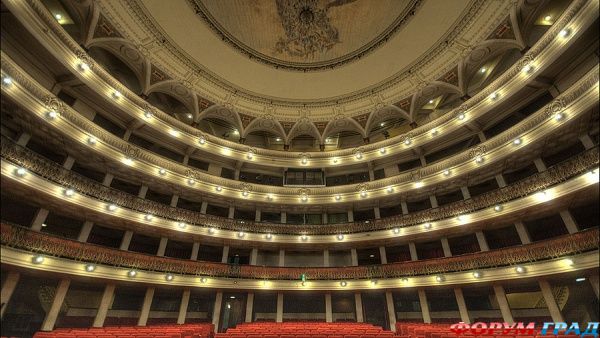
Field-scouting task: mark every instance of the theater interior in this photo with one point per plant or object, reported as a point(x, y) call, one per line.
point(299, 168)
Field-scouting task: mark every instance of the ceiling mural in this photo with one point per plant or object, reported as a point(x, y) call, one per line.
point(305, 35)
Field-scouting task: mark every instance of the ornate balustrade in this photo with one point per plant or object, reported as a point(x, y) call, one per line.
point(56, 173)
point(39, 243)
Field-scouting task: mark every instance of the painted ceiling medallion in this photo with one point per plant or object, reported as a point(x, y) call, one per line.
point(305, 35)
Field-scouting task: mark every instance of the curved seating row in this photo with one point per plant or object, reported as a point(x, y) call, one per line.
point(305, 330)
point(155, 331)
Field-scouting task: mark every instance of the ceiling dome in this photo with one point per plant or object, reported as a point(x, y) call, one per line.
point(311, 58)
point(308, 34)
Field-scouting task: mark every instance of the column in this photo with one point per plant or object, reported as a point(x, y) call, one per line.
point(127, 134)
point(324, 218)
point(446, 247)
point(465, 192)
point(162, 247)
point(217, 310)
point(249, 307)
point(8, 288)
point(195, 250)
point(257, 216)
point(503, 303)
point(550, 301)
point(146, 307)
point(328, 311)
point(523, 233)
point(326, 258)
point(500, 180)
point(434, 202)
point(203, 207)
point(424, 306)
point(105, 302)
point(539, 164)
point(391, 310)
point(404, 207)
point(462, 306)
point(587, 142)
point(413, 251)
point(174, 201)
point(483, 245)
point(59, 297)
point(353, 257)
point(283, 217)
point(281, 257)
point(23, 139)
point(360, 318)
point(107, 179)
point(185, 300)
point(84, 233)
point(350, 216)
point(126, 240)
point(377, 213)
point(383, 255)
point(225, 256)
point(569, 221)
point(253, 256)
point(40, 218)
point(595, 284)
point(143, 191)
point(231, 212)
point(279, 318)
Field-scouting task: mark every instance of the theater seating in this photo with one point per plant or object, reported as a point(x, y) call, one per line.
point(155, 331)
point(305, 329)
point(421, 330)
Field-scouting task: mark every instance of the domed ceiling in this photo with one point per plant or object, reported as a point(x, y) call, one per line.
point(305, 34)
point(312, 59)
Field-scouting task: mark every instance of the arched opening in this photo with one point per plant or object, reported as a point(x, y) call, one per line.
point(387, 128)
point(304, 142)
point(264, 139)
point(117, 68)
point(170, 105)
point(219, 128)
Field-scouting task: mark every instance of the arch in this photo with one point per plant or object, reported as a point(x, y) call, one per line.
point(268, 124)
point(340, 124)
point(224, 114)
point(303, 127)
point(383, 114)
point(170, 104)
point(483, 54)
point(124, 51)
point(436, 91)
point(178, 91)
point(124, 71)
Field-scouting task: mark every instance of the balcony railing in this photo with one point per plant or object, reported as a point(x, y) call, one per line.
point(43, 167)
point(39, 243)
